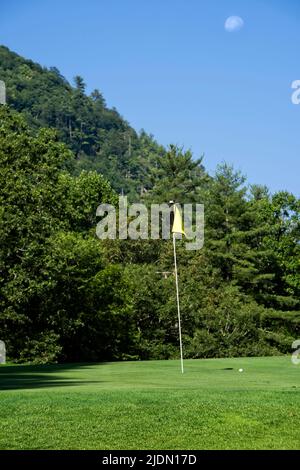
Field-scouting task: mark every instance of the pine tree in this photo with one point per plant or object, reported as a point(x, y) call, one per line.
point(176, 176)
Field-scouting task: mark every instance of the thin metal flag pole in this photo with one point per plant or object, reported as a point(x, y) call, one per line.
point(178, 305)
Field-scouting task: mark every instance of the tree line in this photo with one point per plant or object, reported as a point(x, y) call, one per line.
point(65, 295)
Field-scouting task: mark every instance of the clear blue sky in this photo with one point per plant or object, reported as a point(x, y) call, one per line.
point(170, 67)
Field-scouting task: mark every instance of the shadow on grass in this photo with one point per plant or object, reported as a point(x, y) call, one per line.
point(37, 376)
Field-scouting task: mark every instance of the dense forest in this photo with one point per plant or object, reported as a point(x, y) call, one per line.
point(98, 137)
point(65, 295)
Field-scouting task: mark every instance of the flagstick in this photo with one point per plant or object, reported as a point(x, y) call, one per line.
point(178, 306)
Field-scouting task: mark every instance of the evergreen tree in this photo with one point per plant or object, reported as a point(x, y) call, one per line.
point(79, 84)
point(176, 176)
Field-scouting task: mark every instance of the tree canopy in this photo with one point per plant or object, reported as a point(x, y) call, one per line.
point(65, 295)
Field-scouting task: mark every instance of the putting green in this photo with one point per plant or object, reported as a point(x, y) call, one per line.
point(151, 405)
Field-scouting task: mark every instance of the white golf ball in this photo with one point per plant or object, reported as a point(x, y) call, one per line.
point(241, 370)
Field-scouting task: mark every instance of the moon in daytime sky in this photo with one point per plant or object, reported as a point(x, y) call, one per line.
point(234, 23)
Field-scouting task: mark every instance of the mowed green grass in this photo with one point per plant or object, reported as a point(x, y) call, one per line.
point(151, 405)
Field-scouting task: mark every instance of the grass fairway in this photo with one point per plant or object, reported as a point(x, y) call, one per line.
point(150, 405)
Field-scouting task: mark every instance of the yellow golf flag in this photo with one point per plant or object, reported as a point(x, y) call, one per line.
point(177, 223)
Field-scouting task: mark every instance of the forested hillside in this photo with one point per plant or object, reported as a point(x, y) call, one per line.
point(99, 137)
point(67, 296)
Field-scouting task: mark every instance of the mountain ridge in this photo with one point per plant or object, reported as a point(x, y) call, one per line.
point(100, 138)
